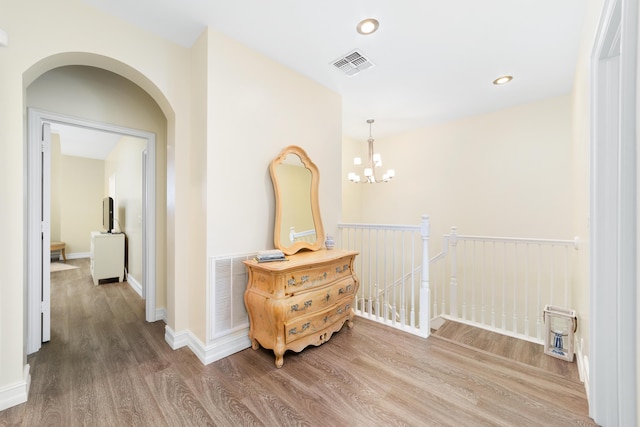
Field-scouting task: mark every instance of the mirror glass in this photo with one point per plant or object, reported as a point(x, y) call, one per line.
point(295, 182)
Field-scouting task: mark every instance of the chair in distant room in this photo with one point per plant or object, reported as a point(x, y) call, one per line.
point(59, 246)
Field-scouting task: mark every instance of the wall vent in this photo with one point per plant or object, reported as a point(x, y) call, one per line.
point(352, 63)
point(227, 282)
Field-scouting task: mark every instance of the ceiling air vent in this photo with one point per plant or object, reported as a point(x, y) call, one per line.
point(352, 63)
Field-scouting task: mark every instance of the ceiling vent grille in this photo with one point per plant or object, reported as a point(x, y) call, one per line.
point(352, 63)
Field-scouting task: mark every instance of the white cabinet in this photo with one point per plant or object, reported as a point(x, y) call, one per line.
point(107, 256)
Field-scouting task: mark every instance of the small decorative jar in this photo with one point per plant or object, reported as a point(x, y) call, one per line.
point(329, 243)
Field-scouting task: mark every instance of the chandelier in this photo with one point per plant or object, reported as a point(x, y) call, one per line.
point(374, 161)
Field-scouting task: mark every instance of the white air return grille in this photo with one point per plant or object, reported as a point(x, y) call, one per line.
point(352, 63)
point(227, 282)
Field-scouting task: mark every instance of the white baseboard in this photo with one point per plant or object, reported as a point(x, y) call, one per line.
point(78, 255)
point(217, 348)
point(134, 284)
point(583, 366)
point(161, 314)
point(16, 394)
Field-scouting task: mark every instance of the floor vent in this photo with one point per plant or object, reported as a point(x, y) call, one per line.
point(352, 63)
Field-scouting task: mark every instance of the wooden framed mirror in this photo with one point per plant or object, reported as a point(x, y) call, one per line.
point(295, 183)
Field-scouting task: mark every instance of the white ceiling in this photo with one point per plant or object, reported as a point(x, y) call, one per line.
point(434, 60)
point(82, 142)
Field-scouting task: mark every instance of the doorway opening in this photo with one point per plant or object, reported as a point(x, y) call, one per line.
point(38, 221)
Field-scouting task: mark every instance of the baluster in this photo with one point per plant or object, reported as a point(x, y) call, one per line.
point(377, 284)
point(504, 286)
point(412, 314)
point(515, 288)
point(424, 285)
point(369, 303)
point(552, 290)
point(526, 290)
point(493, 284)
point(464, 280)
point(484, 280)
point(566, 276)
point(473, 283)
point(539, 304)
point(453, 284)
point(402, 286)
point(393, 274)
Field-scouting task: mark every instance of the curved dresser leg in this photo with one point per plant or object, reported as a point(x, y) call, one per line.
point(279, 360)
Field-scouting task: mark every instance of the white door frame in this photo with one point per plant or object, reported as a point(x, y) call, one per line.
point(35, 178)
point(613, 358)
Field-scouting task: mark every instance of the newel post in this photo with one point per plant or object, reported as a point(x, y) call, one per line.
point(424, 285)
point(453, 284)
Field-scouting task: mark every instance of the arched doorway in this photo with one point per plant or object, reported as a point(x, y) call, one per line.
point(152, 227)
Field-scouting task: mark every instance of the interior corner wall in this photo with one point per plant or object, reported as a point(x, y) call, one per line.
point(351, 193)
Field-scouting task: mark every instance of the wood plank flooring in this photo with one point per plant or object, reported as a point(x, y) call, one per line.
point(105, 366)
point(505, 346)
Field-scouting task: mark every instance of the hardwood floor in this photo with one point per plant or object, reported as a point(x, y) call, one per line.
point(512, 348)
point(106, 366)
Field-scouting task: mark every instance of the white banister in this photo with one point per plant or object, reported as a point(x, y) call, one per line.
point(496, 283)
point(391, 290)
point(503, 283)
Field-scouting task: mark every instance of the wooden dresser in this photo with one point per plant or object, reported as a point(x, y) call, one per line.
point(301, 301)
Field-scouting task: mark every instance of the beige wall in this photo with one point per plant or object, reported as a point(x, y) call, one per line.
point(506, 173)
point(80, 199)
point(124, 163)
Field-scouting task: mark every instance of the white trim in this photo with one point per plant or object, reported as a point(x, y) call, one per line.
point(582, 361)
point(134, 284)
point(78, 255)
point(217, 349)
point(161, 314)
point(613, 214)
point(15, 394)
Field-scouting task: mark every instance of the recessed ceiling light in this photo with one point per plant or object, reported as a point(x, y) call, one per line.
point(368, 26)
point(502, 80)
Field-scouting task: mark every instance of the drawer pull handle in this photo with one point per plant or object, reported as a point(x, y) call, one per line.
point(307, 304)
point(344, 290)
point(294, 331)
point(342, 269)
point(303, 280)
point(340, 311)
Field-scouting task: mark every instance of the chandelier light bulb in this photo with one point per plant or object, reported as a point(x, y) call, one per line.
point(357, 161)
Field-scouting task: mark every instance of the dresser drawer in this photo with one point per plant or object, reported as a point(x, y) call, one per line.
point(314, 277)
point(317, 300)
point(303, 326)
